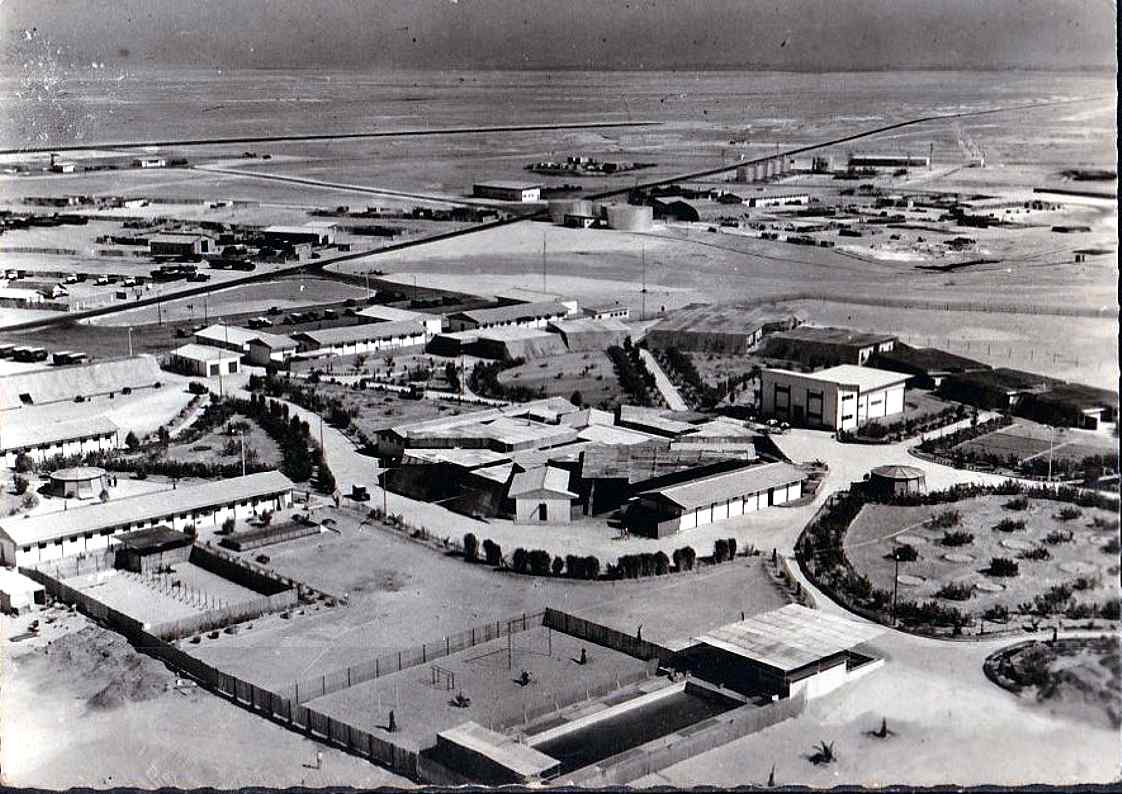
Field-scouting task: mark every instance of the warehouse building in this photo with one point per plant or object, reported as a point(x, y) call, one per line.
point(507, 344)
point(526, 315)
point(541, 496)
point(888, 161)
point(840, 398)
point(654, 421)
point(727, 329)
point(432, 323)
point(718, 497)
point(181, 245)
point(503, 190)
point(272, 347)
point(43, 439)
point(361, 339)
point(676, 207)
point(1071, 405)
point(19, 594)
point(824, 346)
point(299, 235)
point(50, 536)
point(1000, 389)
point(63, 384)
point(927, 366)
point(590, 334)
point(203, 361)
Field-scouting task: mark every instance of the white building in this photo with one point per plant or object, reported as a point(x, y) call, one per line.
point(777, 199)
point(271, 347)
point(361, 339)
point(51, 536)
point(526, 315)
point(266, 349)
point(840, 398)
point(541, 495)
point(719, 497)
point(42, 440)
point(149, 162)
point(432, 323)
point(204, 361)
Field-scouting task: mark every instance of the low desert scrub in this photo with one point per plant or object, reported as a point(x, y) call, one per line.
point(1003, 566)
point(954, 591)
point(1009, 525)
point(957, 538)
point(1019, 503)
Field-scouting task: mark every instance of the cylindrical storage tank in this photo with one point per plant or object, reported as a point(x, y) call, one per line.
point(80, 482)
point(630, 218)
point(896, 481)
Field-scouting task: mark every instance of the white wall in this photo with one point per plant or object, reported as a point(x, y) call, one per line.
point(558, 511)
point(64, 448)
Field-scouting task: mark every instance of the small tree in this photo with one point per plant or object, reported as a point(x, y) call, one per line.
point(228, 526)
point(131, 441)
point(471, 547)
point(576, 398)
point(23, 463)
point(266, 518)
point(20, 485)
point(539, 562)
point(493, 552)
point(558, 565)
point(662, 563)
point(591, 567)
point(732, 547)
point(520, 562)
point(905, 552)
point(720, 550)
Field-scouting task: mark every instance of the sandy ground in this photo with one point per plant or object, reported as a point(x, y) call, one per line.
point(54, 739)
point(951, 726)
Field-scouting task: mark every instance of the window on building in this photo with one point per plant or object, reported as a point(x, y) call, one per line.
point(847, 417)
point(43, 545)
point(26, 549)
point(58, 542)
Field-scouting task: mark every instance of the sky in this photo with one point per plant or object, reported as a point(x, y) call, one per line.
point(814, 35)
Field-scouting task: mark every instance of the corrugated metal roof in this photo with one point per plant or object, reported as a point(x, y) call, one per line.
point(508, 184)
point(719, 487)
point(116, 512)
point(790, 637)
point(237, 335)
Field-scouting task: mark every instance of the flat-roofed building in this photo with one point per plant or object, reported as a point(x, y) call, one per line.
point(1000, 389)
point(788, 651)
point(888, 161)
point(507, 190)
point(185, 245)
point(588, 333)
point(776, 199)
point(50, 536)
point(651, 420)
point(526, 315)
point(297, 235)
point(203, 360)
point(541, 496)
point(18, 593)
point(507, 343)
point(826, 346)
point(839, 398)
point(42, 439)
point(716, 498)
point(361, 339)
point(605, 311)
point(492, 758)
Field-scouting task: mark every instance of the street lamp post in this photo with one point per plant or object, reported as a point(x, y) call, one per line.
point(130, 341)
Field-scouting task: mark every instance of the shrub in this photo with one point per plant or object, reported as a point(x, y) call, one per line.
point(20, 485)
point(131, 441)
point(954, 591)
point(1108, 610)
point(720, 550)
point(684, 558)
point(104, 495)
point(662, 563)
point(471, 547)
point(197, 388)
point(1111, 546)
point(1053, 600)
point(1068, 514)
point(905, 552)
point(1009, 525)
point(492, 552)
point(24, 463)
point(1055, 537)
point(732, 547)
point(957, 538)
point(29, 501)
point(998, 613)
point(558, 565)
point(591, 567)
point(1037, 553)
point(945, 520)
point(1003, 566)
point(1020, 503)
point(227, 526)
point(539, 562)
point(520, 562)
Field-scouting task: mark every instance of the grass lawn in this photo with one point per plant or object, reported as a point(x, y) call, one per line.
point(590, 373)
point(871, 536)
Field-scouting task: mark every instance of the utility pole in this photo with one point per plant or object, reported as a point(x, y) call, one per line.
point(205, 320)
point(242, 438)
point(130, 341)
point(543, 264)
point(643, 262)
point(895, 583)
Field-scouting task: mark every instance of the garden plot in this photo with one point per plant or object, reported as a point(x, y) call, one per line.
point(589, 373)
point(1067, 562)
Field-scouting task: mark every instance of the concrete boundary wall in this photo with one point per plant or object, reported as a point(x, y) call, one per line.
point(336, 680)
point(666, 751)
point(607, 637)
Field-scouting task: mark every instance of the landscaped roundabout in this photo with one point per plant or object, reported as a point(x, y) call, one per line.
point(984, 558)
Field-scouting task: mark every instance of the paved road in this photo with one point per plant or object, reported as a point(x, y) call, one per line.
point(667, 389)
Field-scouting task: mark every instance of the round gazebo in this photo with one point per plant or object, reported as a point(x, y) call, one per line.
point(80, 482)
point(896, 480)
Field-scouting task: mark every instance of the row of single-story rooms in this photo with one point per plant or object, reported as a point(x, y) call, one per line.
point(29, 540)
